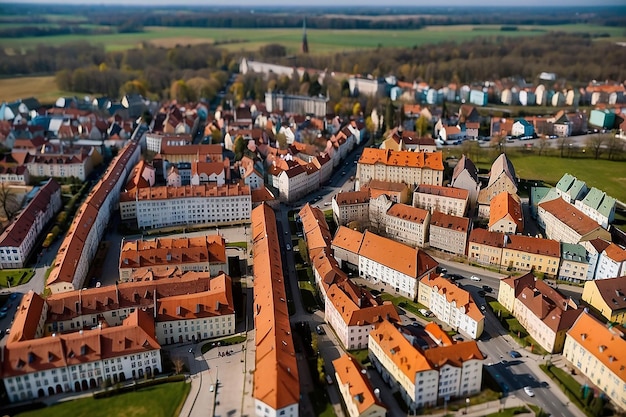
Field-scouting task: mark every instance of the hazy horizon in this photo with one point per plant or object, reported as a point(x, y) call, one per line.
point(332, 3)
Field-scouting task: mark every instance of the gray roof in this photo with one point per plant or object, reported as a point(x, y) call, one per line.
point(502, 165)
point(613, 291)
point(465, 164)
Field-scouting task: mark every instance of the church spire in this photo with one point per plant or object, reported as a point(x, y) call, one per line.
point(305, 43)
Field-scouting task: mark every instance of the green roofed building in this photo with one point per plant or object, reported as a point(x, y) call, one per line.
point(574, 263)
point(599, 206)
point(571, 188)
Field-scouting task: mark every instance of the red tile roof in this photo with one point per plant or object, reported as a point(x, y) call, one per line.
point(570, 215)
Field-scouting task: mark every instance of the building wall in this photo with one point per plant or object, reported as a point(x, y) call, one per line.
point(194, 330)
point(537, 329)
point(608, 268)
point(484, 254)
point(447, 205)
point(264, 410)
point(506, 296)
point(524, 261)
point(448, 240)
point(347, 213)
point(378, 273)
point(573, 271)
point(406, 231)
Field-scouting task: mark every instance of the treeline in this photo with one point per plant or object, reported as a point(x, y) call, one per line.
point(40, 31)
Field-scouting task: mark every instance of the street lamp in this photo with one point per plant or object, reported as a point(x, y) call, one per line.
point(467, 403)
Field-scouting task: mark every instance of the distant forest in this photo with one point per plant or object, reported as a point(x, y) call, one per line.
point(134, 18)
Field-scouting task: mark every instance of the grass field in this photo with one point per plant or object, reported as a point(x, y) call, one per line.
point(20, 276)
point(320, 41)
point(608, 176)
point(43, 88)
point(157, 401)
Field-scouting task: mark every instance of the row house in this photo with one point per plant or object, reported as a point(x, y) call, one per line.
point(485, 247)
point(599, 206)
point(172, 206)
point(388, 262)
point(63, 165)
point(597, 351)
point(570, 188)
point(448, 200)
point(505, 214)
point(423, 377)
point(399, 166)
point(18, 239)
point(251, 175)
point(351, 206)
point(191, 153)
point(595, 247)
point(339, 145)
point(398, 192)
point(448, 233)
point(501, 178)
point(276, 377)
point(465, 177)
point(564, 222)
point(406, 224)
point(356, 389)
point(541, 310)
point(89, 225)
point(607, 298)
point(202, 254)
point(574, 263)
point(78, 361)
point(452, 305)
point(297, 181)
point(611, 262)
point(289, 103)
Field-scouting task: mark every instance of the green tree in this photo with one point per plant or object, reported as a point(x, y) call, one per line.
point(239, 147)
point(281, 140)
point(422, 126)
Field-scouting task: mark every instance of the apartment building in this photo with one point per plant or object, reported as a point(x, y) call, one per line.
point(607, 298)
point(276, 379)
point(570, 188)
point(597, 352)
point(564, 222)
point(448, 233)
point(398, 192)
point(611, 262)
point(599, 206)
point(424, 377)
point(574, 263)
point(174, 206)
point(80, 245)
point(448, 200)
point(36, 366)
point(404, 223)
point(78, 164)
point(399, 166)
point(175, 154)
point(351, 206)
point(501, 178)
point(346, 245)
point(356, 389)
point(19, 237)
point(202, 254)
point(485, 247)
point(526, 253)
point(155, 140)
point(452, 305)
point(542, 311)
point(465, 176)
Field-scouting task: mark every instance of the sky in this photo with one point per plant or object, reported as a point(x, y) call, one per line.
point(339, 3)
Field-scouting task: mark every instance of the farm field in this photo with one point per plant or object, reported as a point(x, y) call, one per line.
point(43, 88)
point(320, 41)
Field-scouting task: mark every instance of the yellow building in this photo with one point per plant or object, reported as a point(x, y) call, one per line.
point(608, 298)
point(598, 352)
point(485, 247)
point(511, 287)
point(525, 253)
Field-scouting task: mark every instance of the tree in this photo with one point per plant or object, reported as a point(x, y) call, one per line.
point(281, 140)
point(542, 144)
point(9, 201)
point(595, 142)
point(614, 146)
point(273, 50)
point(239, 147)
point(422, 126)
point(178, 364)
point(562, 144)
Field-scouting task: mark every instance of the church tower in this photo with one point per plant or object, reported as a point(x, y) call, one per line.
point(305, 43)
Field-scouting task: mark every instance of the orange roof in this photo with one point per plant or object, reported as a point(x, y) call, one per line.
point(276, 380)
point(349, 372)
point(352, 197)
point(27, 318)
point(607, 345)
point(570, 215)
point(168, 251)
point(615, 252)
point(436, 333)
point(395, 255)
point(348, 239)
point(202, 190)
point(454, 294)
point(408, 213)
point(372, 156)
point(485, 237)
point(449, 192)
point(505, 206)
point(369, 313)
point(407, 358)
point(455, 354)
point(314, 227)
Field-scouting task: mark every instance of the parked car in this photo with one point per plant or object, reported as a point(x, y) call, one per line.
point(515, 354)
point(288, 246)
point(529, 391)
point(319, 330)
point(329, 380)
point(474, 278)
point(487, 288)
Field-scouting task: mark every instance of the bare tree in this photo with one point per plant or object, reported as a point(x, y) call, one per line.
point(562, 144)
point(9, 202)
point(614, 146)
point(543, 144)
point(595, 142)
point(178, 364)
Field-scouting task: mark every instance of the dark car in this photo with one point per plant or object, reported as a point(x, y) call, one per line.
point(487, 288)
point(515, 354)
point(320, 330)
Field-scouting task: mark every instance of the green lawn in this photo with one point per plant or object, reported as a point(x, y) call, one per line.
point(157, 401)
point(320, 40)
point(20, 276)
point(233, 340)
point(509, 412)
point(403, 302)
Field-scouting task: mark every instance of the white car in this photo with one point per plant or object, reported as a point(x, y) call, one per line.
point(529, 391)
point(474, 278)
